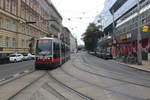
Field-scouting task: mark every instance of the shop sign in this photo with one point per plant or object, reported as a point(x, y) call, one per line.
point(145, 28)
point(123, 37)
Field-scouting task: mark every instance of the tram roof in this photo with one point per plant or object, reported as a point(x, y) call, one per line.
point(48, 38)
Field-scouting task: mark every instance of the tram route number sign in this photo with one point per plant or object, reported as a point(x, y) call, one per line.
point(43, 41)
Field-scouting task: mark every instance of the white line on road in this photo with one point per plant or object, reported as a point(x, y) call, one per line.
point(26, 71)
point(16, 75)
point(2, 80)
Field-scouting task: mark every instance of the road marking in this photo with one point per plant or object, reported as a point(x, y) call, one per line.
point(16, 75)
point(2, 80)
point(11, 77)
point(26, 71)
point(69, 88)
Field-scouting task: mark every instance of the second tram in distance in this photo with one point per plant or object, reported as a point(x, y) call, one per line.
point(51, 53)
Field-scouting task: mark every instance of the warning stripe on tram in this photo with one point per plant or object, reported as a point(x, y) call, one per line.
point(50, 60)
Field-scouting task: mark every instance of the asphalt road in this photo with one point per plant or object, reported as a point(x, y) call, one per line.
point(7, 70)
point(117, 70)
point(89, 76)
point(112, 81)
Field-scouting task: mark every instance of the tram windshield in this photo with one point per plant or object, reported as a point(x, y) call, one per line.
point(44, 47)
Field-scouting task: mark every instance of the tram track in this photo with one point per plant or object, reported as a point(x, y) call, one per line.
point(53, 91)
point(44, 85)
point(122, 69)
point(50, 89)
point(10, 98)
point(84, 97)
point(72, 90)
point(15, 77)
point(117, 79)
point(108, 77)
point(101, 87)
point(11, 92)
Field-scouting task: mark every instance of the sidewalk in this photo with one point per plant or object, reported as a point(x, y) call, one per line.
point(144, 67)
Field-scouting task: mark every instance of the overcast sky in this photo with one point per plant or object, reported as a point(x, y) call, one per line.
point(77, 14)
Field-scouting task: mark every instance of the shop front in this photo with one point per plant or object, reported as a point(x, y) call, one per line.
point(126, 48)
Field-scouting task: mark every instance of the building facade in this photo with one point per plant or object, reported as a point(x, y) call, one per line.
point(65, 36)
point(18, 36)
point(73, 43)
point(125, 17)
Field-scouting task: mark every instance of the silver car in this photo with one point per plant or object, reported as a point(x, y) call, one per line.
point(15, 57)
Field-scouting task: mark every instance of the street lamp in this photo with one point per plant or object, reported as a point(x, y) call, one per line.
point(139, 51)
point(113, 38)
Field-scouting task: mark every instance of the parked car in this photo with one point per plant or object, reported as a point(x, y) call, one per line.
point(31, 55)
point(107, 55)
point(15, 57)
point(26, 56)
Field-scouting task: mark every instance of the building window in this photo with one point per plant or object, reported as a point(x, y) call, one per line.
point(27, 43)
point(23, 43)
point(7, 23)
point(23, 11)
point(7, 42)
point(10, 24)
point(13, 26)
point(14, 43)
point(8, 5)
point(1, 22)
point(1, 41)
point(23, 28)
point(143, 21)
point(14, 7)
point(1, 3)
point(27, 13)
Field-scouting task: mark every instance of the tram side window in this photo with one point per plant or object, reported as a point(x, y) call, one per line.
point(55, 54)
point(56, 50)
point(62, 49)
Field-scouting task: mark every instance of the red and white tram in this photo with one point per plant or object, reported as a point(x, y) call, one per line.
point(51, 53)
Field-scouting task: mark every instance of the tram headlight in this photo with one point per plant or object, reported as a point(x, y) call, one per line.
point(49, 58)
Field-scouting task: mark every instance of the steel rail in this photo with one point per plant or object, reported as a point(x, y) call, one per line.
point(129, 82)
point(108, 77)
point(102, 87)
point(4, 82)
point(69, 88)
point(34, 81)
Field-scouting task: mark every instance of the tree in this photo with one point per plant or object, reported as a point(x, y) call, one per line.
point(31, 45)
point(91, 36)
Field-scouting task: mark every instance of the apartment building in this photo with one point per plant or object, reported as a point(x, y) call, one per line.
point(18, 36)
point(73, 44)
point(124, 14)
point(66, 35)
